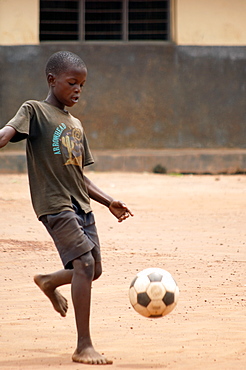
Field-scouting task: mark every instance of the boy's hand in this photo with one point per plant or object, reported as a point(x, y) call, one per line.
point(119, 210)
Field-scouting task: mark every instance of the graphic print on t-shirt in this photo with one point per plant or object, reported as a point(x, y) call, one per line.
point(67, 141)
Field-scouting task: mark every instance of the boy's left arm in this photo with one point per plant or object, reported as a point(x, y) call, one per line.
point(116, 207)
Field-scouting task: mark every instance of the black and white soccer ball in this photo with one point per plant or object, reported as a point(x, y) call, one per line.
point(153, 292)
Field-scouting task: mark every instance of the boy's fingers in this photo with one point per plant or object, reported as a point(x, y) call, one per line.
point(124, 216)
point(127, 209)
point(129, 212)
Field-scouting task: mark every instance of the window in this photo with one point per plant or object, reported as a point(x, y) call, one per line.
point(82, 20)
point(59, 20)
point(103, 20)
point(148, 20)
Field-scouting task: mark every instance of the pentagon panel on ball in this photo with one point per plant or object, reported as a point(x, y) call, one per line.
point(153, 292)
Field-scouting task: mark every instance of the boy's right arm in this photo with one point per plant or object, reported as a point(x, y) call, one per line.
point(6, 134)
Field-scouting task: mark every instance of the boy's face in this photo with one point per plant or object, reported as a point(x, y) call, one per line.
point(66, 87)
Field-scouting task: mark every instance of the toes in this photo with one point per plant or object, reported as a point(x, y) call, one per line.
point(91, 361)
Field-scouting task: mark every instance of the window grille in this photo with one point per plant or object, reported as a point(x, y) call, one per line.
point(103, 20)
point(59, 20)
point(85, 20)
point(148, 20)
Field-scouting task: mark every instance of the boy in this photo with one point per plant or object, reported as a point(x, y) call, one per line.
point(57, 151)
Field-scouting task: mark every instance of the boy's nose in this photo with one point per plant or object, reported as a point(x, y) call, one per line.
point(77, 89)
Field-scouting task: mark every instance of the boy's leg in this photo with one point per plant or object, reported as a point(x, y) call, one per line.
point(83, 275)
point(50, 282)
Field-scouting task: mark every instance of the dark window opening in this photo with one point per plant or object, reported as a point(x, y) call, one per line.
point(59, 20)
point(103, 20)
point(83, 20)
point(148, 20)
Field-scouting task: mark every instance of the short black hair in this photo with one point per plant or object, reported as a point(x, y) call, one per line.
point(59, 62)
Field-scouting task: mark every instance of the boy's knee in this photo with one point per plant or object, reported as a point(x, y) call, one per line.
point(85, 265)
point(98, 270)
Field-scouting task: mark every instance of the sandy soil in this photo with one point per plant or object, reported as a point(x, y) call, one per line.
point(192, 226)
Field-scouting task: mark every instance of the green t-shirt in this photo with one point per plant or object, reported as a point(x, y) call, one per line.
point(57, 150)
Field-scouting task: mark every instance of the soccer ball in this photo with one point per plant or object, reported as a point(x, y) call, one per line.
point(153, 292)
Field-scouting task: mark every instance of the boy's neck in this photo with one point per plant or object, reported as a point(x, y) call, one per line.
point(53, 102)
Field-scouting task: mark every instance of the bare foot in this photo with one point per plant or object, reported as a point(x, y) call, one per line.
point(90, 356)
point(58, 301)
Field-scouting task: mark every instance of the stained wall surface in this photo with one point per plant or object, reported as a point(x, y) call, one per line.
point(156, 96)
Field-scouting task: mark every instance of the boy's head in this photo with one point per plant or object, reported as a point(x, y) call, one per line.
point(66, 75)
point(61, 61)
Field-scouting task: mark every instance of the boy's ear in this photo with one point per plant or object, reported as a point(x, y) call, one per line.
point(51, 79)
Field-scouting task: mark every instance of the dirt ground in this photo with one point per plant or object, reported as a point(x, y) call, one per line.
point(192, 226)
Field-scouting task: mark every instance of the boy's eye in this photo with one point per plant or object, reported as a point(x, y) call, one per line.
point(74, 83)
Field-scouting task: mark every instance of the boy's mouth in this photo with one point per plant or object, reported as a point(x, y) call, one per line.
point(75, 99)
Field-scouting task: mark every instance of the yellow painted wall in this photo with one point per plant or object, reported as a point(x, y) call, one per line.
point(194, 22)
point(210, 22)
point(19, 22)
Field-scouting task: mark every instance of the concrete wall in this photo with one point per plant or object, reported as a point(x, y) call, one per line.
point(141, 96)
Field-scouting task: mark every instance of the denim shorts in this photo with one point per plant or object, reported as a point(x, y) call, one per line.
point(74, 234)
